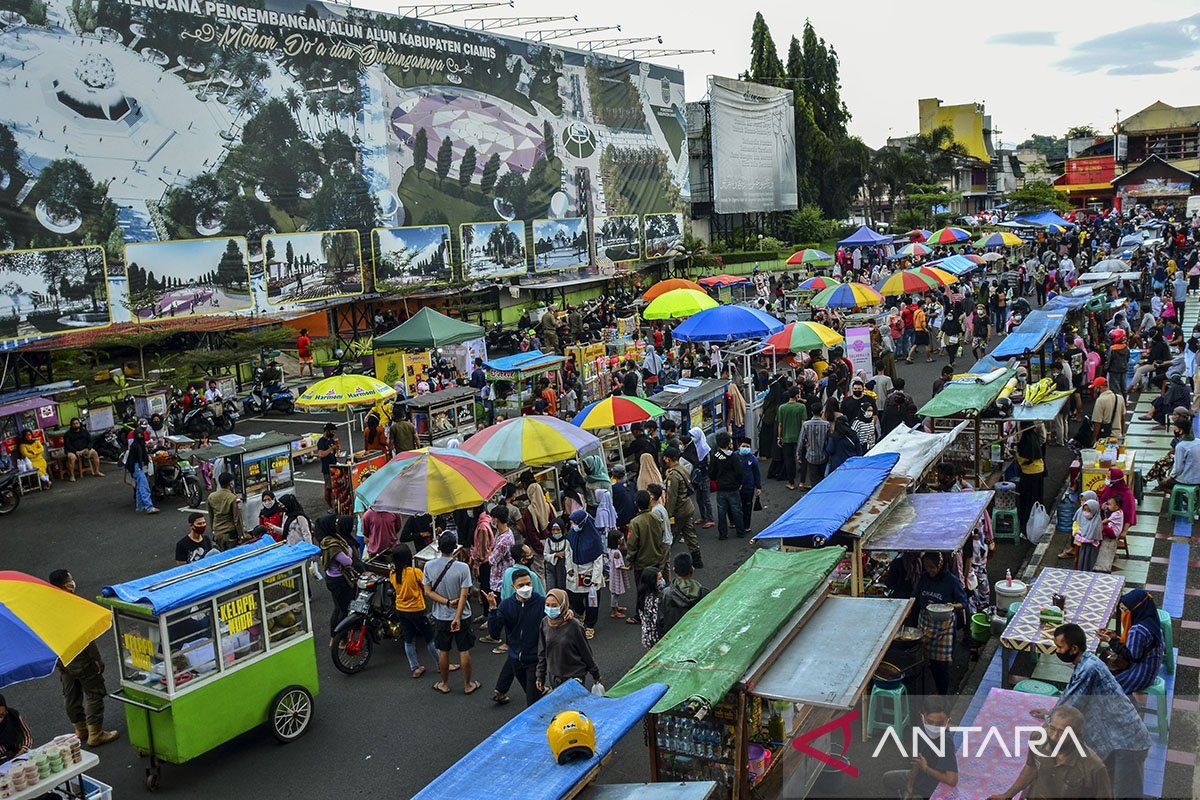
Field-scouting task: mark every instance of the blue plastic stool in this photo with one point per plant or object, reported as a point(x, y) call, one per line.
point(1014, 527)
point(1013, 608)
point(1030, 686)
point(1164, 622)
point(1162, 718)
point(1185, 501)
point(887, 708)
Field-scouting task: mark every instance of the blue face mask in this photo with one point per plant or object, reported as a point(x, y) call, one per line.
point(744, 451)
point(553, 611)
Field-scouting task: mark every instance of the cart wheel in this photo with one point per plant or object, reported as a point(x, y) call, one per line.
point(153, 775)
point(291, 712)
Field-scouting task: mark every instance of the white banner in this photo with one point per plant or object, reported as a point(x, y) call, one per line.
point(753, 146)
point(858, 349)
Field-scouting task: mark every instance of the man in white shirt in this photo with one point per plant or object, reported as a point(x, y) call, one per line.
point(213, 393)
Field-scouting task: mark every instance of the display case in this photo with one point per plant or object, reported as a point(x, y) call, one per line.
point(518, 375)
point(442, 416)
point(263, 462)
point(695, 403)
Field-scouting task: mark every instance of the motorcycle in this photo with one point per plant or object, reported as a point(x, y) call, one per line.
point(225, 415)
point(368, 623)
point(111, 444)
point(174, 477)
point(263, 398)
point(10, 492)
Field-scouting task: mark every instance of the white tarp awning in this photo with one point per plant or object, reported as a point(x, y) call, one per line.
point(917, 449)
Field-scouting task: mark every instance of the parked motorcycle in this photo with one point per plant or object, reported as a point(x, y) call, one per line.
point(111, 444)
point(174, 477)
point(10, 492)
point(263, 398)
point(196, 419)
point(367, 624)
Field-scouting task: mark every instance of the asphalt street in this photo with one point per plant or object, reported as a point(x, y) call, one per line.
point(379, 733)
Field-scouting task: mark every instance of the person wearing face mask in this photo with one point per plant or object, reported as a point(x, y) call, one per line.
point(751, 481)
point(934, 762)
point(1136, 654)
point(563, 649)
point(1052, 770)
point(725, 468)
point(519, 617)
point(196, 543)
point(554, 557)
point(852, 403)
point(1112, 726)
point(522, 560)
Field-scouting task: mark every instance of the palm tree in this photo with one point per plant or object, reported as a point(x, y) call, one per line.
point(312, 104)
point(246, 100)
point(293, 101)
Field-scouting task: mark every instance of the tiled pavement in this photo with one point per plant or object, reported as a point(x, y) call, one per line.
point(1164, 558)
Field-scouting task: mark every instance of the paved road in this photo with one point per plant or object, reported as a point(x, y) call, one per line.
point(378, 733)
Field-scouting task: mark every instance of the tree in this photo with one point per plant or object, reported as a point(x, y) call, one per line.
point(1053, 148)
point(466, 167)
point(488, 180)
point(512, 188)
point(336, 146)
point(548, 138)
point(940, 151)
point(344, 201)
point(420, 149)
point(445, 157)
point(9, 154)
point(808, 225)
point(65, 187)
point(231, 269)
point(1037, 196)
point(765, 65)
point(143, 306)
point(1081, 132)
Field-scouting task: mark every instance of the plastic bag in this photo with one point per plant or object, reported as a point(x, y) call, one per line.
point(1039, 521)
point(598, 689)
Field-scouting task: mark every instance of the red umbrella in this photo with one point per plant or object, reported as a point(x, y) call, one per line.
point(722, 280)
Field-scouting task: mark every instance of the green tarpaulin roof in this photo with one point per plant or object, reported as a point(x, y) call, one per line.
point(426, 329)
point(961, 398)
point(710, 649)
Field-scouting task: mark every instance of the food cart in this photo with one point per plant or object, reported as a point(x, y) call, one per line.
point(984, 445)
point(37, 414)
point(441, 416)
point(211, 649)
point(70, 782)
point(592, 365)
point(261, 462)
point(731, 713)
point(521, 372)
point(695, 403)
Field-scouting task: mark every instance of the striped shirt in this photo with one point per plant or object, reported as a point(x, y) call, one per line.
point(813, 434)
point(1145, 653)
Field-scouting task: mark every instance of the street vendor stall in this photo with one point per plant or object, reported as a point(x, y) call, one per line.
point(742, 681)
point(262, 462)
point(442, 416)
point(981, 449)
point(592, 366)
point(211, 649)
point(521, 372)
point(695, 403)
point(37, 414)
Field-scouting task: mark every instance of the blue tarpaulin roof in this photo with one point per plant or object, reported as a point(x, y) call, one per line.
point(865, 236)
point(956, 264)
point(168, 590)
point(530, 361)
point(1045, 218)
point(824, 510)
point(1068, 302)
point(727, 324)
point(1033, 332)
point(515, 761)
point(987, 364)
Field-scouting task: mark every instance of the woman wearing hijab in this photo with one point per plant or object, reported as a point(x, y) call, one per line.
point(571, 484)
point(606, 512)
point(137, 459)
point(595, 473)
point(651, 367)
point(842, 444)
point(541, 511)
point(776, 396)
point(563, 649)
point(338, 561)
point(1136, 655)
point(648, 472)
point(585, 569)
point(737, 409)
point(295, 526)
point(15, 738)
point(696, 454)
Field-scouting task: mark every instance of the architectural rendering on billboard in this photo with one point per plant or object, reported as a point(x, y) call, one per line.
point(753, 147)
point(617, 239)
point(664, 234)
point(52, 291)
point(406, 257)
point(493, 250)
point(129, 121)
point(187, 277)
point(560, 243)
point(315, 265)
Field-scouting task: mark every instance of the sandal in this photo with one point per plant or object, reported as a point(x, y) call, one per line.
point(499, 699)
point(633, 621)
point(455, 667)
point(499, 650)
point(589, 633)
point(471, 687)
point(489, 640)
point(617, 614)
point(441, 688)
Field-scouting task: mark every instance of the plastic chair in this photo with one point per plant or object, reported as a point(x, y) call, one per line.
point(1164, 622)
point(1013, 531)
point(887, 708)
point(1162, 713)
point(1030, 686)
point(1185, 501)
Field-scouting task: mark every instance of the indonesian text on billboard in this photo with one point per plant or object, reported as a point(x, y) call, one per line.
point(753, 147)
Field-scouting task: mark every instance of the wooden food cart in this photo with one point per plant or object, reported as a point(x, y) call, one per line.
point(521, 372)
point(442, 416)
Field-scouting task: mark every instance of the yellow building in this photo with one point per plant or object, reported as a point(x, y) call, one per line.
point(970, 125)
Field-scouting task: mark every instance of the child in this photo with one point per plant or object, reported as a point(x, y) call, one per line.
point(554, 549)
point(1115, 521)
point(1088, 534)
point(618, 574)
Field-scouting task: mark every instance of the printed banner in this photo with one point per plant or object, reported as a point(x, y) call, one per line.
point(858, 349)
point(407, 257)
point(317, 265)
point(187, 278)
point(52, 291)
point(560, 244)
point(617, 239)
point(753, 145)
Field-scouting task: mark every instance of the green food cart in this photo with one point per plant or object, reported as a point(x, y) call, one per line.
point(235, 629)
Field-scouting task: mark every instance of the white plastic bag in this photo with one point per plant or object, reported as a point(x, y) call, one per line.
point(598, 689)
point(1039, 521)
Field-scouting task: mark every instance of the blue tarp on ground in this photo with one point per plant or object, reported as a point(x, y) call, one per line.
point(864, 236)
point(1045, 218)
point(823, 511)
point(515, 761)
point(1034, 331)
point(168, 590)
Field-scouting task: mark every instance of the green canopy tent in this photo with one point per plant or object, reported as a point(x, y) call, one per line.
point(709, 650)
point(428, 329)
point(967, 400)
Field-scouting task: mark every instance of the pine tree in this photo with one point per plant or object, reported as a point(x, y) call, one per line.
point(466, 167)
point(795, 64)
point(231, 269)
point(765, 65)
point(444, 157)
point(420, 149)
point(488, 180)
point(548, 138)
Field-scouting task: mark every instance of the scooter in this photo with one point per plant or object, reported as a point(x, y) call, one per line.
point(262, 399)
point(174, 477)
point(367, 624)
point(195, 420)
point(111, 444)
point(10, 492)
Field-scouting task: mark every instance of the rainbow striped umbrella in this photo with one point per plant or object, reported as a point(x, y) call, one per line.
point(914, 250)
point(809, 255)
point(797, 337)
point(677, 304)
point(907, 282)
point(818, 284)
point(948, 236)
point(917, 234)
point(429, 481)
point(999, 239)
point(530, 440)
point(847, 295)
point(670, 285)
point(939, 275)
point(40, 624)
point(616, 410)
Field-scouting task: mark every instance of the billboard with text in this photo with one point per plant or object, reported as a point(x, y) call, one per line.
point(753, 147)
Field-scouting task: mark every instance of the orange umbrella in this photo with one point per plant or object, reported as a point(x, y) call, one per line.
point(670, 284)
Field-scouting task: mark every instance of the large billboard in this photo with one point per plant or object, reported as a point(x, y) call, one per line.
point(126, 121)
point(753, 147)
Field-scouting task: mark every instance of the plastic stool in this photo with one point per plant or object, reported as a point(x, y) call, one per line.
point(1162, 719)
point(1190, 497)
point(1030, 686)
point(1164, 622)
point(1012, 610)
point(1014, 531)
point(895, 717)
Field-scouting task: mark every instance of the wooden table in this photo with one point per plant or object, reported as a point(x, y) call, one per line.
point(1091, 599)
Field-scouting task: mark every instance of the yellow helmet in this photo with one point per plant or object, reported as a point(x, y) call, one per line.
point(572, 736)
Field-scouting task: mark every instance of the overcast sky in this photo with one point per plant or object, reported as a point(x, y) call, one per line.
point(1038, 66)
